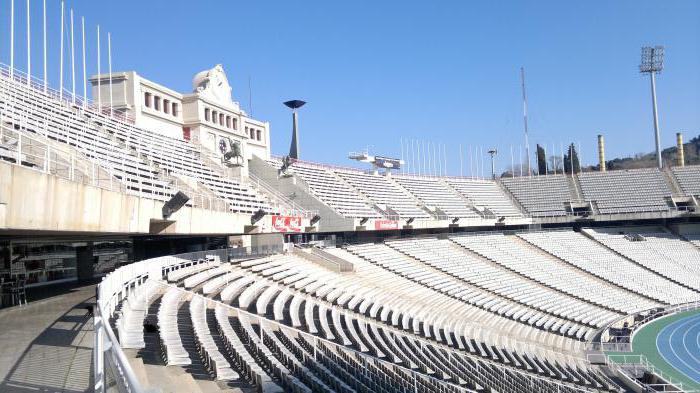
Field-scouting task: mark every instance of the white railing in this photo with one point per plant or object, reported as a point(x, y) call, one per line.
point(61, 161)
point(111, 364)
point(631, 364)
point(112, 371)
point(291, 208)
point(66, 97)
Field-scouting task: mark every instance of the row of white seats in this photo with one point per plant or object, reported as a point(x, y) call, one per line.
point(594, 258)
point(660, 252)
point(509, 252)
point(133, 313)
point(169, 328)
point(341, 328)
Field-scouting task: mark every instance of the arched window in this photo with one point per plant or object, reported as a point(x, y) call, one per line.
point(221, 119)
point(166, 106)
point(228, 121)
point(259, 135)
point(214, 116)
point(156, 103)
point(175, 108)
point(206, 114)
point(235, 123)
point(147, 99)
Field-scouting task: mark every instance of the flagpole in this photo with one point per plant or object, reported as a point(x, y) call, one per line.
point(72, 56)
point(109, 59)
point(29, 46)
point(46, 76)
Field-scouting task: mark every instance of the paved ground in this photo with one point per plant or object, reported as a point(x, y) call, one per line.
point(47, 344)
point(645, 343)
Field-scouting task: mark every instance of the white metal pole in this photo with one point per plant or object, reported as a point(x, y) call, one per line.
point(46, 75)
point(527, 142)
point(520, 153)
point(657, 135)
point(444, 159)
point(435, 161)
point(60, 68)
point(72, 57)
point(99, 73)
point(471, 163)
point(82, 22)
point(579, 157)
point(512, 162)
point(481, 153)
point(109, 59)
point(12, 38)
point(413, 157)
point(29, 46)
point(461, 173)
point(563, 164)
point(401, 143)
point(418, 158)
point(425, 156)
point(554, 159)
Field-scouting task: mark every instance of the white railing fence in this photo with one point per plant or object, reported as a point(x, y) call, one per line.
point(112, 371)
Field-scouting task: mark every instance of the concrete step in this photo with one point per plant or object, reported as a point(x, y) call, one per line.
point(139, 369)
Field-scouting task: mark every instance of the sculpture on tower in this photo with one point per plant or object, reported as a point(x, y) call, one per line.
point(213, 84)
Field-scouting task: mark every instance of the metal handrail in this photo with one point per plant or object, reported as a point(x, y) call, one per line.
point(118, 284)
point(292, 207)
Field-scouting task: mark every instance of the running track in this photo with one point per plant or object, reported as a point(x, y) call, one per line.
point(679, 344)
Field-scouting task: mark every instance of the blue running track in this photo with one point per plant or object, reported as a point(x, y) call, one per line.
point(679, 344)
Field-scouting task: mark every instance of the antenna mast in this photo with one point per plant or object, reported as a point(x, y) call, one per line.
point(527, 143)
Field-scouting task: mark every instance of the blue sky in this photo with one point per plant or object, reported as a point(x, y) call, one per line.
point(445, 71)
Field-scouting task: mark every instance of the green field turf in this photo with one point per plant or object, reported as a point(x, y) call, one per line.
point(644, 343)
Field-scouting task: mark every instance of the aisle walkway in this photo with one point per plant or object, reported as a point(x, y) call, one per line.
point(47, 344)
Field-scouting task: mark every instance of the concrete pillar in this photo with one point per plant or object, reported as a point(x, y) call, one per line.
point(85, 262)
point(601, 153)
point(681, 152)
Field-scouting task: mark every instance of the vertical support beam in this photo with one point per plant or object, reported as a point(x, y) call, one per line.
point(99, 73)
point(46, 75)
point(659, 161)
point(680, 148)
point(527, 142)
point(72, 57)
point(82, 22)
point(60, 68)
point(109, 62)
point(601, 153)
point(29, 46)
point(12, 38)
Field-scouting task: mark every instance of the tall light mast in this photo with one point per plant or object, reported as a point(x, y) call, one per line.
point(527, 142)
point(652, 64)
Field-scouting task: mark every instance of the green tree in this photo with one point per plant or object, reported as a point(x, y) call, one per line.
point(541, 160)
point(571, 152)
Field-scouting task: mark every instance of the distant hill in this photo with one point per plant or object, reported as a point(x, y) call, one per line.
point(648, 160)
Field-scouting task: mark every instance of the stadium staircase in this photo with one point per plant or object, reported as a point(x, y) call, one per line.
point(296, 190)
point(575, 189)
point(511, 197)
point(676, 190)
point(385, 211)
point(469, 203)
point(436, 213)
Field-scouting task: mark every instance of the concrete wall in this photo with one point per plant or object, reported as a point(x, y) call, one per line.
point(33, 200)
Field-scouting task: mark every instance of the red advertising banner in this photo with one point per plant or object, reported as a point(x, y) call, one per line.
point(286, 223)
point(386, 225)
